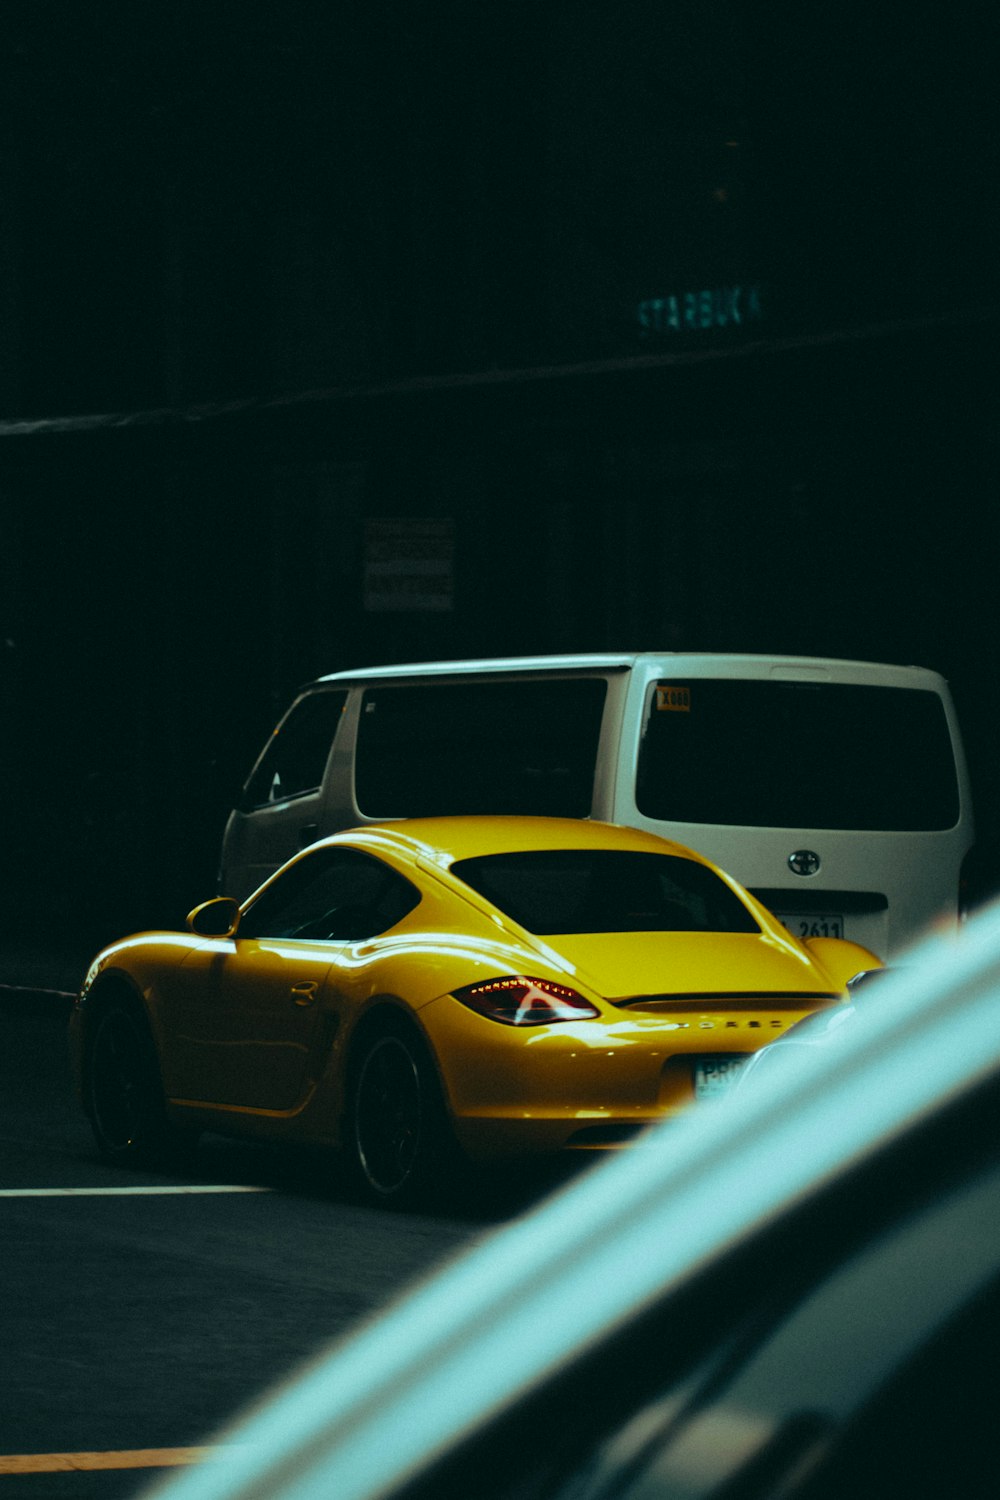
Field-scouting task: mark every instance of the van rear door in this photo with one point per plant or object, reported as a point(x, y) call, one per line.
point(838, 797)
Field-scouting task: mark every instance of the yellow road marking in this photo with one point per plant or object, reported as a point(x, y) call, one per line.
point(128, 1458)
point(123, 1192)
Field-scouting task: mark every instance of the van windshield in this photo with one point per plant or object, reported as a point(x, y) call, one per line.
point(797, 755)
point(566, 891)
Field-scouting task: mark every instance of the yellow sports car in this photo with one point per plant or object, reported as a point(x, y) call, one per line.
point(422, 992)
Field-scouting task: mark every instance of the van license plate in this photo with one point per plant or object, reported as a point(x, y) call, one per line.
point(812, 924)
point(714, 1075)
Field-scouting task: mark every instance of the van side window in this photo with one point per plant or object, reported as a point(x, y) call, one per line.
point(296, 755)
point(479, 747)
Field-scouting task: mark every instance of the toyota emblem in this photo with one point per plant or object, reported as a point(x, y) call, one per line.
point(803, 862)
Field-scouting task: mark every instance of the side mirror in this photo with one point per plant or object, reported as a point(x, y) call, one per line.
point(219, 917)
point(865, 978)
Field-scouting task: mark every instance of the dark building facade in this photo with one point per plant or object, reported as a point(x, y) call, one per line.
point(334, 335)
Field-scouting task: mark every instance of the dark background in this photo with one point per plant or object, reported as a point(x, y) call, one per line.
point(293, 292)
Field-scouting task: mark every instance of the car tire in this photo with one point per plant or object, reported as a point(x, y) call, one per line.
point(123, 1090)
point(401, 1152)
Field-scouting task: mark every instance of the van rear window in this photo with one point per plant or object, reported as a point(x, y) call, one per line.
point(479, 747)
point(797, 755)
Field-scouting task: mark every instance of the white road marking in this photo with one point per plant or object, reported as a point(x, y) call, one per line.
point(123, 1192)
point(37, 989)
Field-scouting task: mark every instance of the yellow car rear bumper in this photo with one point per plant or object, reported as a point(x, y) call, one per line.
point(579, 1085)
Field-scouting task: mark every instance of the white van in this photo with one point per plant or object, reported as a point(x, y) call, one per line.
point(836, 791)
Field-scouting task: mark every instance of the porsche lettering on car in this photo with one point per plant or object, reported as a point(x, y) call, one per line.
point(431, 992)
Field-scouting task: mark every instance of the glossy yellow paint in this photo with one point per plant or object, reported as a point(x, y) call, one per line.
point(241, 1023)
point(254, 1035)
point(542, 1089)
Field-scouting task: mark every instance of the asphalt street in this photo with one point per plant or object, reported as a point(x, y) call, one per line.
point(143, 1312)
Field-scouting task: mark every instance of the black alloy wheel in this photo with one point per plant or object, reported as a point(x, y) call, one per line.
point(124, 1094)
point(398, 1133)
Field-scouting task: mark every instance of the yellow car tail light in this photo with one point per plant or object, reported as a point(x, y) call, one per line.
point(517, 1000)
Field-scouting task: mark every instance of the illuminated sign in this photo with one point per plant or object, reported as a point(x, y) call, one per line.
point(696, 312)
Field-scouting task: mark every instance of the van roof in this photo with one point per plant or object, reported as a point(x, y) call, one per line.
point(694, 663)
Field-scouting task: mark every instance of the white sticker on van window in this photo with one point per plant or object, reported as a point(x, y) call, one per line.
point(673, 699)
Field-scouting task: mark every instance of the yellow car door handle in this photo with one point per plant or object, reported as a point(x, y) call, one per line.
point(305, 992)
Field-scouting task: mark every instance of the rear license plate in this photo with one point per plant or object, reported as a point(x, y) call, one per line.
point(714, 1075)
point(812, 924)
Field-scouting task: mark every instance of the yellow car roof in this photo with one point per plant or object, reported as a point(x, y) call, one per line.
point(462, 837)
